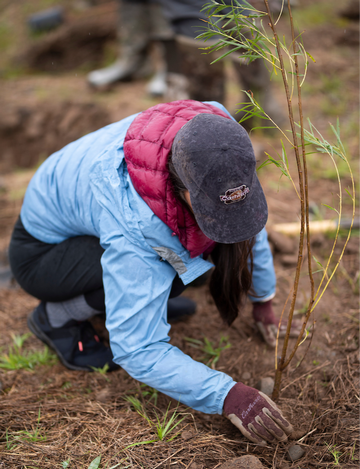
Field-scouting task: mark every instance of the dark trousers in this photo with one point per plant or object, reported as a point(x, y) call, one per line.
point(59, 272)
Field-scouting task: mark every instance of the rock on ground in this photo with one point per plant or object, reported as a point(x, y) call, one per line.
point(244, 462)
point(265, 385)
point(295, 452)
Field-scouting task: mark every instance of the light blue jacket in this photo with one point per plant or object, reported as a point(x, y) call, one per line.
point(85, 189)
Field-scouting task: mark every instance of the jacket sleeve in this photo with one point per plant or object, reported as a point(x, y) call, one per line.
point(264, 280)
point(137, 286)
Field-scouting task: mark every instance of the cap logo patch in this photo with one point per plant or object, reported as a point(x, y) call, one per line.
point(235, 195)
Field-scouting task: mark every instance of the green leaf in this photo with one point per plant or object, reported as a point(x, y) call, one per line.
point(348, 193)
point(284, 155)
point(265, 163)
point(138, 444)
point(117, 465)
point(279, 165)
point(95, 463)
point(331, 208)
point(193, 342)
point(318, 263)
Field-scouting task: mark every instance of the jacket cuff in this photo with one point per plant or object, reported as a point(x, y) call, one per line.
point(222, 397)
point(262, 300)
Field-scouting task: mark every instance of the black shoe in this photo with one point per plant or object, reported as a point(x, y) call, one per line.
point(180, 308)
point(76, 343)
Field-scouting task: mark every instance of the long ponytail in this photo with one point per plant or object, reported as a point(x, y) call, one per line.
point(231, 280)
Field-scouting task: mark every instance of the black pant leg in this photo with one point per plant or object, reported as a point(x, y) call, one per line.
point(59, 272)
point(56, 272)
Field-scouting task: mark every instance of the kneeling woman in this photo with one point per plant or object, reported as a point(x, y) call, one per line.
point(122, 220)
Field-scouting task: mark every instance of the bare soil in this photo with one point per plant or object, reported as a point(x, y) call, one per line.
point(84, 415)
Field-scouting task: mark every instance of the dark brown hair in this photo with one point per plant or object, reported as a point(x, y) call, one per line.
point(231, 280)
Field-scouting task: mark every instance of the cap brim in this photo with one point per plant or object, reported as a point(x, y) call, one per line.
point(234, 222)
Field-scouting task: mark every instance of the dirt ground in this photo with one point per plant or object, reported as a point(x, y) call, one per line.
point(51, 417)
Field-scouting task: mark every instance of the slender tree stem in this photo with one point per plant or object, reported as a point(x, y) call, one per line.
point(280, 367)
point(312, 285)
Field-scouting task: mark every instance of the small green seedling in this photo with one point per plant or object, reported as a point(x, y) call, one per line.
point(162, 426)
point(95, 464)
point(103, 371)
point(134, 401)
point(17, 359)
point(10, 445)
point(33, 436)
point(212, 354)
point(165, 427)
point(335, 453)
point(353, 457)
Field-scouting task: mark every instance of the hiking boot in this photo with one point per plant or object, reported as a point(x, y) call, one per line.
point(134, 40)
point(140, 24)
point(76, 343)
point(180, 308)
point(157, 86)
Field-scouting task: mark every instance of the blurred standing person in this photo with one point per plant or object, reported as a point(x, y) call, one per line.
point(141, 24)
point(192, 76)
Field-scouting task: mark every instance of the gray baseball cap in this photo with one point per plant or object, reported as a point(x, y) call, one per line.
point(214, 158)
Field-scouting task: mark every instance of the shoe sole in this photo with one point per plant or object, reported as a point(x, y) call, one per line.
point(44, 338)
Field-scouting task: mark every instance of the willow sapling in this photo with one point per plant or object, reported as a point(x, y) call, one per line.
point(251, 34)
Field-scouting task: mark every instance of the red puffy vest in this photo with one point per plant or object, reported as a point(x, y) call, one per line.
point(147, 146)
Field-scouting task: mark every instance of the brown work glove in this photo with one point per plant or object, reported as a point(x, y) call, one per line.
point(267, 323)
point(255, 415)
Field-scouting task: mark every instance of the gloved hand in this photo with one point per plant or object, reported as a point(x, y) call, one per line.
point(255, 415)
point(267, 323)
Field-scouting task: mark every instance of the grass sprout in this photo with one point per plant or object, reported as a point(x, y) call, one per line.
point(17, 359)
point(95, 464)
point(163, 426)
point(34, 436)
point(212, 353)
point(102, 371)
point(336, 454)
point(167, 424)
